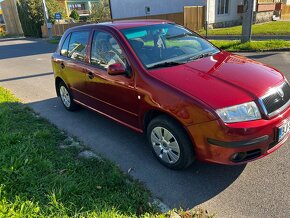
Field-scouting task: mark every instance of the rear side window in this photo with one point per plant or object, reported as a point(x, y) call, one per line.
point(77, 45)
point(64, 47)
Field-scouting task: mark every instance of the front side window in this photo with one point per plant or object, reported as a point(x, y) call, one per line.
point(223, 7)
point(167, 44)
point(77, 45)
point(106, 51)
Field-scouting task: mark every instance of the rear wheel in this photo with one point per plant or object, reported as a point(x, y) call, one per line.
point(66, 97)
point(170, 143)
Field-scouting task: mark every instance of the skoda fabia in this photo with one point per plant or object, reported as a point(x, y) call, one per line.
point(191, 99)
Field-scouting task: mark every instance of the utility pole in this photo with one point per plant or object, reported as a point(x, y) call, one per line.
point(46, 19)
point(247, 20)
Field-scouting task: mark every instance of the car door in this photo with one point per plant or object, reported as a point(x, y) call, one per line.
point(73, 62)
point(116, 95)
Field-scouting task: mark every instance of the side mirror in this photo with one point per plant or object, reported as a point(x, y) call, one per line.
point(116, 69)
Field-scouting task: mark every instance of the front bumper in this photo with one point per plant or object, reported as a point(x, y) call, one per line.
point(237, 143)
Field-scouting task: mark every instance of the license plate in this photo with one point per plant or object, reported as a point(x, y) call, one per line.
point(283, 130)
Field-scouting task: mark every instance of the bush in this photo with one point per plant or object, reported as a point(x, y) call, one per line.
point(75, 15)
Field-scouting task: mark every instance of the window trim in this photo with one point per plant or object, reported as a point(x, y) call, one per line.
point(69, 35)
point(224, 13)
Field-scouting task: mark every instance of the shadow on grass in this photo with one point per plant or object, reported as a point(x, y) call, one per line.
point(44, 179)
point(186, 188)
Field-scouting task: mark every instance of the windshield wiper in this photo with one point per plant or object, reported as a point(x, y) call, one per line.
point(166, 64)
point(200, 56)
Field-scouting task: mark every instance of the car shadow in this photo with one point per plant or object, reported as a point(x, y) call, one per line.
point(130, 151)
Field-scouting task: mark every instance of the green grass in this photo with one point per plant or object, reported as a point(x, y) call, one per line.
point(40, 179)
point(42, 176)
point(235, 45)
point(271, 28)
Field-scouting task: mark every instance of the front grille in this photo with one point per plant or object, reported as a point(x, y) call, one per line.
point(277, 99)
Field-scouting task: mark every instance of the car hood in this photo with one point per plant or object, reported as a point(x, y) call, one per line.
point(221, 80)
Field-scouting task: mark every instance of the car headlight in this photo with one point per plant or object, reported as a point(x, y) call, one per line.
point(238, 113)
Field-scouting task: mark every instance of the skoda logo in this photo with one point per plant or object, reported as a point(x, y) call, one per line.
point(280, 92)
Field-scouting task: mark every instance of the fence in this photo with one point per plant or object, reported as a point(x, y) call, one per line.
point(285, 12)
point(12, 22)
point(193, 18)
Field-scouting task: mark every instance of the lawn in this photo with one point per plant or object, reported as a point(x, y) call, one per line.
point(42, 175)
point(271, 28)
point(267, 45)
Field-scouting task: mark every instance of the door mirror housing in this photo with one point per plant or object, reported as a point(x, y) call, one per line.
point(116, 69)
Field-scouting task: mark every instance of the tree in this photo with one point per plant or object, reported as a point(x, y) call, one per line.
point(32, 17)
point(74, 14)
point(100, 11)
point(35, 10)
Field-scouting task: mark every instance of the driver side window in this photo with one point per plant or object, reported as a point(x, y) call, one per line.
point(106, 51)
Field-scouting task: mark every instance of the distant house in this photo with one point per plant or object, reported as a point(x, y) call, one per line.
point(1, 21)
point(122, 9)
point(83, 7)
point(219, 13)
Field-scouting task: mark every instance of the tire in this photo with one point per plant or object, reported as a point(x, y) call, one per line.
point(66, 97)
point(170, 143)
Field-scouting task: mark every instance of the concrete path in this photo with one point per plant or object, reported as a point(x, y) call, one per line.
point(259, 189)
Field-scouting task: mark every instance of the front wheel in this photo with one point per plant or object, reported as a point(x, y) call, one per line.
point(170, 143)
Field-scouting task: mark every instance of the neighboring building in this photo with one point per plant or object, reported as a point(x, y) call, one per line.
point(220, 13)
point(83, 7)
point(140, 8)
point(1, 17)
point(2, 26)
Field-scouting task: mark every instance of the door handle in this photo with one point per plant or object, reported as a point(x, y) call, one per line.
point(62, 66)
point(90, 75)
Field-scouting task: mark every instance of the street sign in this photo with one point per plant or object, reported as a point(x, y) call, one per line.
point(57, 16)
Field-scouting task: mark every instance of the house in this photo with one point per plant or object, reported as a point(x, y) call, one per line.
point(1, 21)
point(122, 9)
point(219, 13)
point(83, 7)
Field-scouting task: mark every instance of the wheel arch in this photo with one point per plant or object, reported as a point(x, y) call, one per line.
point(58, 80)
point(153, 113)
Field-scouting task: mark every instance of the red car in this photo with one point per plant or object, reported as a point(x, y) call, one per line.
point(191, 99)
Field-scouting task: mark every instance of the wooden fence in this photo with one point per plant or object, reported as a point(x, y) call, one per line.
point(285, 12)
point(193, 18)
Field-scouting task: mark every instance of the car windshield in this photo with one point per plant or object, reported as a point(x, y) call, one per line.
point(165, 45)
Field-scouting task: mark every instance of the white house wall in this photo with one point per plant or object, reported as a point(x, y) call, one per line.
point(213, 17)
point(136, 8)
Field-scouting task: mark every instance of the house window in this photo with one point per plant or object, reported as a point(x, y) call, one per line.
point(223, 6)
point(76, 6)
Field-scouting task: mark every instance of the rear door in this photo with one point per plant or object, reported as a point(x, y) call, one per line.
point(73, 62)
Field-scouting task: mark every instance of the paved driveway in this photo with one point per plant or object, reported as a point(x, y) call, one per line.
point(259, 189)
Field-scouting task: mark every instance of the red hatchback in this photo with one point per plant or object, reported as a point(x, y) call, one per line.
point(191, 99)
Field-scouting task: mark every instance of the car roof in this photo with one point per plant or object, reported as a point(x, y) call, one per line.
point(124, 24)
